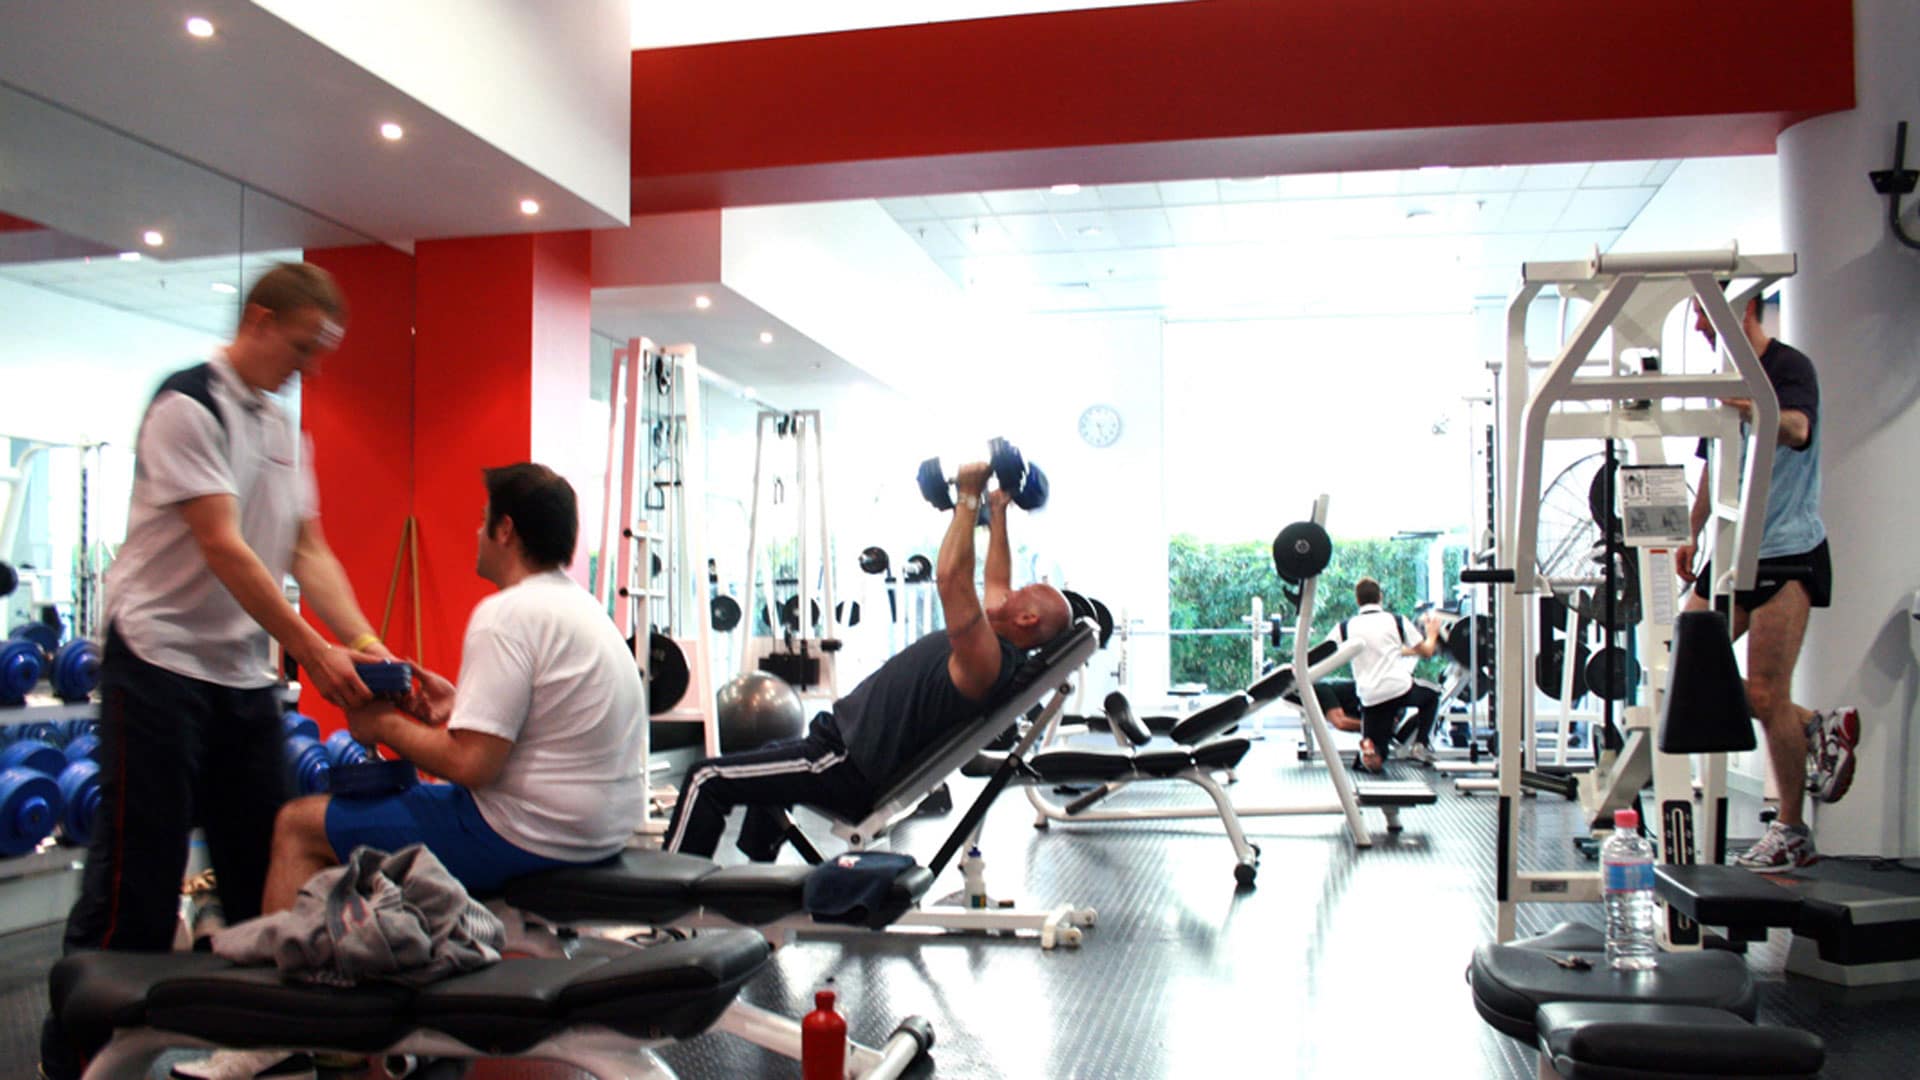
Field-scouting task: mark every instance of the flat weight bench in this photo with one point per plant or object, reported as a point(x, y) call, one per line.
point(598, 1013)
point(1690, 1017)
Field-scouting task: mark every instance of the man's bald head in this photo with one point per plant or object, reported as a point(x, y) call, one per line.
point(1032, 616)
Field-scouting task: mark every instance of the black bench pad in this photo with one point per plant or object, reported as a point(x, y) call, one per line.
point(95, 992)
point(1214, 720)
point(1511, 982)
point(1221, 753)
point(254, 1006)
point(1726, 896)
point(640, 887)
point(1623, 1041)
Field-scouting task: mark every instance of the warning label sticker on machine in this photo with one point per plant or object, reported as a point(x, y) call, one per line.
point(1655, 505)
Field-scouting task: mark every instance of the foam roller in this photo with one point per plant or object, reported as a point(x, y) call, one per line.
point(20, 669)
point(29, 808)
point(35, 755)
point(80, 791)
point(307, 767)
point(76, 671)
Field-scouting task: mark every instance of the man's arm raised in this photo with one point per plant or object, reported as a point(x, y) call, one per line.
point(999, 573)
point(975, 662)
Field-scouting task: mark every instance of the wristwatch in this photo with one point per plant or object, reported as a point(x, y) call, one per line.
point(969, 503)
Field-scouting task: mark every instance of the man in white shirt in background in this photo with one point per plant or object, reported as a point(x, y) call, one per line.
point(1383, 675)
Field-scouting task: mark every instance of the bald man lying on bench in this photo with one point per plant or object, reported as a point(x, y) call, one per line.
point(849, 755)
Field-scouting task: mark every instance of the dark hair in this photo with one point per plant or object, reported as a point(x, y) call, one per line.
point(290, 287)
point(546, 516)
point(1366, 591)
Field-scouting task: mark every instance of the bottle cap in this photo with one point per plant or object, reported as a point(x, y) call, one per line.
point(823, 999)
point(1626, 819)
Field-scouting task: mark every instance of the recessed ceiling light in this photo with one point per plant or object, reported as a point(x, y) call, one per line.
point(224, 289)
point(766, 337)
point(1090, 230)
point(1066, 189)
point(391, 131)
point(129, 256)
point(199, 27)
point(529, 207)
point(703, 302)
point(153, 238)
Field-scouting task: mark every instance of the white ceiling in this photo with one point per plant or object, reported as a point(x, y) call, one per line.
point(663, 23)
point(1336, 243)
point(792, 372)
point(179, 291)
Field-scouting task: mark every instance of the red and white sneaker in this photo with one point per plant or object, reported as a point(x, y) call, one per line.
point(1781, 849)
point(1832, 738)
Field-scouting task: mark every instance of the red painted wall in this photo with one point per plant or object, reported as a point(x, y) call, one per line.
point(1222, 88)
point(359, 414)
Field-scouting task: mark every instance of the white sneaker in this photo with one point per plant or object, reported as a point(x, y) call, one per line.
point(1781, 849)
point(1420, 752)
point(1831, 739)
point(246, 1065)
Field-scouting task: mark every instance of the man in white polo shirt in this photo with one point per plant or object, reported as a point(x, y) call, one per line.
point(223, 509)
point(540, 739)
point(1383, 674)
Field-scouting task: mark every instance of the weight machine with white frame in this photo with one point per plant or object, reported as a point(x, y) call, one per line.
point(813, 557)
point(1630, 295)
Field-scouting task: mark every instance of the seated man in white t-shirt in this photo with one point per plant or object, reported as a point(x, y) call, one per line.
point(540, 740)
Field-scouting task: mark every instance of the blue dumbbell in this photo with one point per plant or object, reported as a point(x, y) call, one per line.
point(80, 791)
point(300, 724)
point(33, 754)
point(343, 750)
point(30, 805)
point(77, 728)
point(20, 668)
point(386, 678)
point(76, 670)
point(45, 638)
point(82, 748)
point(308, 772)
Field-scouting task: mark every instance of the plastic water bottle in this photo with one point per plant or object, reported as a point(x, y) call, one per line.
point(1626, 877)
point(823, 1041)
point(974, 869)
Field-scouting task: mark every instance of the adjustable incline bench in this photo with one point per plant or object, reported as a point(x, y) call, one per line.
point(658, 889)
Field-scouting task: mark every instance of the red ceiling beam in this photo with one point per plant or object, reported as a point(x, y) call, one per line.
point(1225, 87)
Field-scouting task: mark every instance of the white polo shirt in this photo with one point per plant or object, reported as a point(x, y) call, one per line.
point(1380, 671)
point(544, 668)
point(160, 594)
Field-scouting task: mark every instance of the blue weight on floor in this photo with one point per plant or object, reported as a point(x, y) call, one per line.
point(80, 791)
point(82, 748)
point(20, 668)
point(76, 670)
point(33, 754)
point(301, 724)
point(307, 769)
point(77, 728)
point(51, 734)
point(45, 638)
point(343, 750)
point(29, 808)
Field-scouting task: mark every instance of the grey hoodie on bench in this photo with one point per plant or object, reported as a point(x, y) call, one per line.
point(398, 918)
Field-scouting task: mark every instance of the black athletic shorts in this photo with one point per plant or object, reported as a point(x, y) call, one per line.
point(1819, 584)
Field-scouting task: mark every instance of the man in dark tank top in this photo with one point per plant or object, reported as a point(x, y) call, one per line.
point(852, 753)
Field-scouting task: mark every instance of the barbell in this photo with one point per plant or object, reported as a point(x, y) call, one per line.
point(1022, 480)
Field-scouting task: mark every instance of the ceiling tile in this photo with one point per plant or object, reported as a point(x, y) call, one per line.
point(1197, 224)
point(935, 237)
point(983, 236)
point(1017, 202)
point(1189, 192)
point(1573, 245)
point(1307, 186)
point(1437, 180)
point(1379, 182)
point(1552, 177)
point(1128, 196)
point(958, 206)
point(1492, 178)
point(1604, 208)
point(1661, 170)
point(1617, 174)
point(1129, 294)
point(1534, 211)
point(1058, 269)
point(910, 208)
point(1141, 228)
point(1249, 189)
point(1066, 202)
point(1089, 230)
point(1034, 232)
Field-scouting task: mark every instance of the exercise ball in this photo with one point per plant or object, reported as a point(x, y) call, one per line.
point(755, 709)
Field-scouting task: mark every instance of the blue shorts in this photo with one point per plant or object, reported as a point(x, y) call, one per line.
point(443, 817)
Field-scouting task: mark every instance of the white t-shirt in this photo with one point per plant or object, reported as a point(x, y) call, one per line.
point(544, 667)
point(1380, 672)
point(160, 594)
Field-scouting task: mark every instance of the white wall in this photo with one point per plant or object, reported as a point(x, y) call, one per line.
point(549, 83)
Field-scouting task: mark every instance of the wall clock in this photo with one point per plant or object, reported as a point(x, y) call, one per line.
point(1100, 425)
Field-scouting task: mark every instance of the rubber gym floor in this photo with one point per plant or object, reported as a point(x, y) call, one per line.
point(1341, 962)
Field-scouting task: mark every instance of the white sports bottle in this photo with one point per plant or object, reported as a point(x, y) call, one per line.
point(1626, 877)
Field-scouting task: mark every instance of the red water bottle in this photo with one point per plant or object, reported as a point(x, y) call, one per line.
point(823, 1041)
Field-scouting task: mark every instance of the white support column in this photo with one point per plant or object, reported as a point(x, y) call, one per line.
point(1851, 309)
